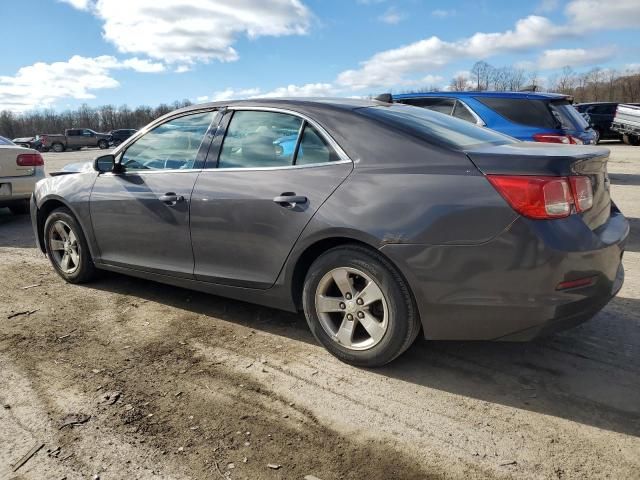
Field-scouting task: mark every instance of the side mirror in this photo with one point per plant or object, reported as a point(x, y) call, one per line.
point(105, 163)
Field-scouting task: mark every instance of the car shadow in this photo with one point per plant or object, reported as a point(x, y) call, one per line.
point(590, 374)
point(15, 230)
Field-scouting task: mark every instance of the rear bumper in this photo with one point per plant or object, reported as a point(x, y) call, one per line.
point(505, 289)
point(21, 188)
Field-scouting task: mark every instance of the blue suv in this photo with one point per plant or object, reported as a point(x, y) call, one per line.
point(538, 117)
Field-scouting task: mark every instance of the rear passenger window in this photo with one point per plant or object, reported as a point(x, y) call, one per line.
point(260, 139)
point(534, 113)
point(314, 148)
point(462, 112)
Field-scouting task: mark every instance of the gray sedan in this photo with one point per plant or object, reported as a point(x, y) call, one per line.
point(379, 221)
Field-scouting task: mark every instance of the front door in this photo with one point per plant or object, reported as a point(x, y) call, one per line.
point(251, 204)
point(141, 216)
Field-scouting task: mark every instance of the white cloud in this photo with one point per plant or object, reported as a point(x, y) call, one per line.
point(307, 90)
point(79, 4)
point(42, 84)
point(182, 69)
point(608, 15)
point(233, 94)
point(392, 16)
point(573, 57)
point(631, 67)
point(143, 66)
point(392, 67)
point(439, 13)
point(188, 31)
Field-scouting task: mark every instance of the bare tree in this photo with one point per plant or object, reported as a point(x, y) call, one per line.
point(480, 73)
point(459, 83)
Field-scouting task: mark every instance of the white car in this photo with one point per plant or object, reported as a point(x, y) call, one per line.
point(20, 169)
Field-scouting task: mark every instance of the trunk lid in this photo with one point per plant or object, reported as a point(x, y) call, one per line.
point(528, 158)
point(8, 165)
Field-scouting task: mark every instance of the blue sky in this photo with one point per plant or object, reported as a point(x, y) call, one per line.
point(150, 51)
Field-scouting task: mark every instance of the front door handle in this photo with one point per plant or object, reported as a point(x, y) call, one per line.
point(290, 200)
point(171, 198)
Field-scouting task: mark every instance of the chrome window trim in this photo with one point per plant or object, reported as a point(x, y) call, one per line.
point(479, 121)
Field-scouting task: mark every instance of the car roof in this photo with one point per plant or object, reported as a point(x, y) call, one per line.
point(527, 95)
point(321, 103)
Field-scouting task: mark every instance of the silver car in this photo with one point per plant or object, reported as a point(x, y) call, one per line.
point(20, 169)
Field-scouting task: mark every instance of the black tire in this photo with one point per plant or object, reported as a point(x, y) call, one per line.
point(598, 135)
point(103, 144)
point(85, 270)
point(57, 147)
point(20, 208)
point(634, 140)
point(403, 321)
point(117, 143)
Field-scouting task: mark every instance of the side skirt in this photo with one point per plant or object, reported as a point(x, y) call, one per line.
point(275, 297)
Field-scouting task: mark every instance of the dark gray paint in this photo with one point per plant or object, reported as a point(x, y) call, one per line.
point(477, 270)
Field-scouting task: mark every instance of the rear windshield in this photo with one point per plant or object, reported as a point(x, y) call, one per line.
point(5, 141)
point(443, 128)
point(567, 115)
point(534, 113)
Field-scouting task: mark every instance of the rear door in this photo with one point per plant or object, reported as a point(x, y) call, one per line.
point(263, 182)
point(141, 216)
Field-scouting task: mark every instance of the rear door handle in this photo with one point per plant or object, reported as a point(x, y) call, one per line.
point(290, 200)
point(171, 198)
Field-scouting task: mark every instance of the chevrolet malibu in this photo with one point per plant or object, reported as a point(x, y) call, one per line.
point(379, 221)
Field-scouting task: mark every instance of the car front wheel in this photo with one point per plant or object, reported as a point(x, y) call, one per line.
point(67, 248)
point(103, 144)
point(359, 307)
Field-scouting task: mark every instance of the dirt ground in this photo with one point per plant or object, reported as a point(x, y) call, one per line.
point(125, 378)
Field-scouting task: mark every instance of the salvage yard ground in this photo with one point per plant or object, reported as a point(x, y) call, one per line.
point(168, 383)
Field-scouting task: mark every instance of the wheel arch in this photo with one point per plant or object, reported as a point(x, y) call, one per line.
point(311, 252)
point(47, 206)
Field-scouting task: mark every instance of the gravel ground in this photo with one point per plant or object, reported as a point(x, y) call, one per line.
point(168, 383)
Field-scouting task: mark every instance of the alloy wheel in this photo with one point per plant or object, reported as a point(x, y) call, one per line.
point(64, 247)
point(352, 308)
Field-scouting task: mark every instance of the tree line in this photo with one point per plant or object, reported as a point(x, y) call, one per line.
point(100, 119)
point(594, 85)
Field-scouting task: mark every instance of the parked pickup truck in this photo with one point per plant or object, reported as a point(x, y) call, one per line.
point(75, 139)
point(627, 123)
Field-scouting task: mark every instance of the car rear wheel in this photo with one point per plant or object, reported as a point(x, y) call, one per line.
point(103, 144)
point(67, 248)
point(57, 147)
point(359, 307)
point(20, 208)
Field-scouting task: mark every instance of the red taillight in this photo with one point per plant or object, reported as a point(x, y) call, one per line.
point(582, 193)
point(556, 138)
point(544, 197)
point(29, 160)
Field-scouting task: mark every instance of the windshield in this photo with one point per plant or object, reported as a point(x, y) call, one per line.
point(443, 128)
point(5, 141)
point(568, 116)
